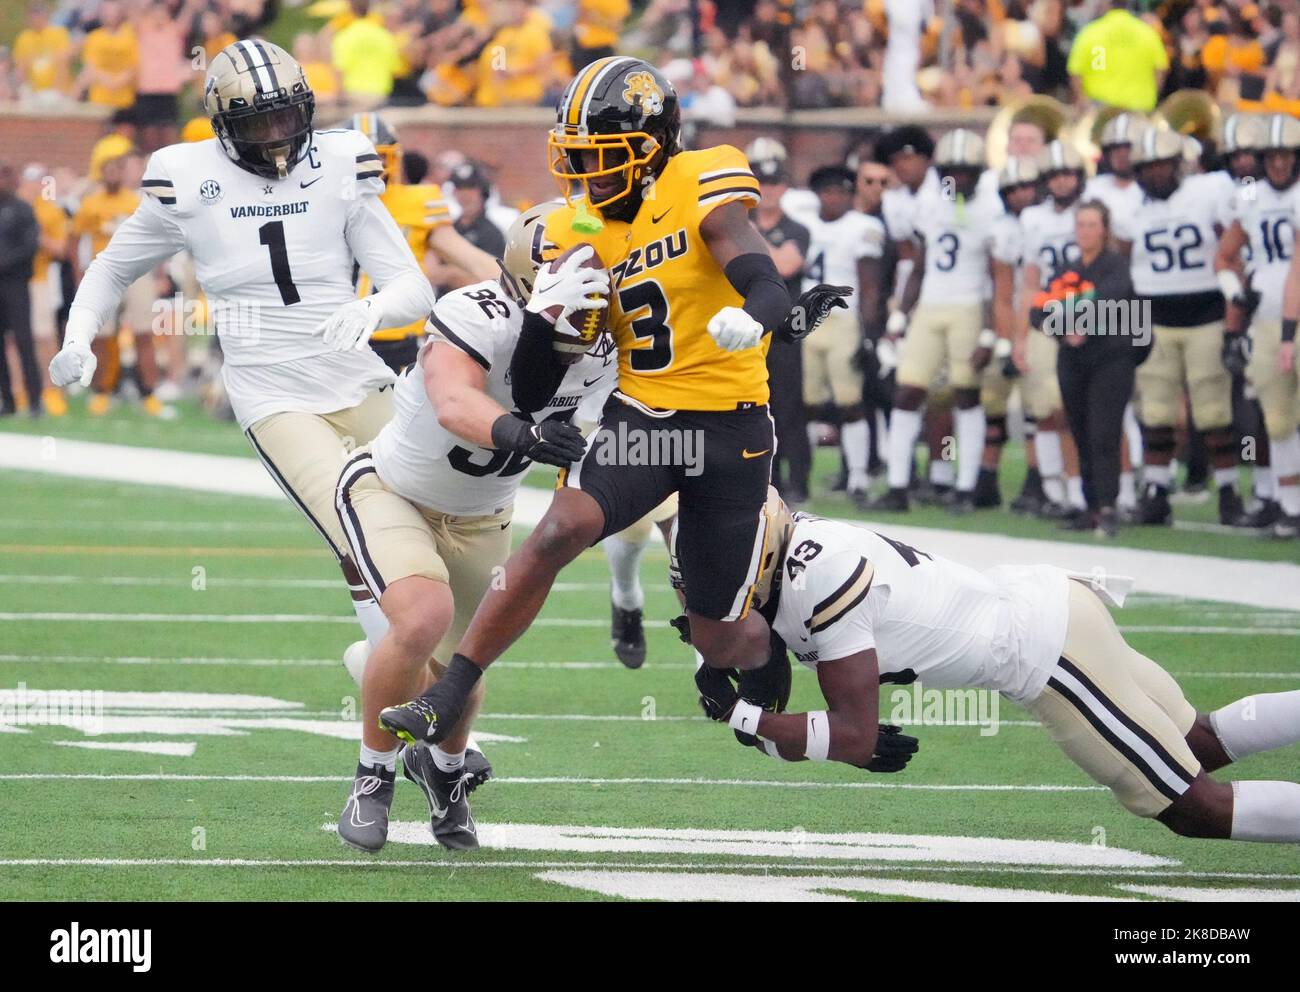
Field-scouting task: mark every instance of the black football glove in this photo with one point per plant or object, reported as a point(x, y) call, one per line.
point(552, 442)
point(894, 749)
point(717, 688)
point(768, 687)
point(811, 309)
point(1236, 353)
point(682, 624)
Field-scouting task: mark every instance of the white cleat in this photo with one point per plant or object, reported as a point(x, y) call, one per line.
point(354, 660)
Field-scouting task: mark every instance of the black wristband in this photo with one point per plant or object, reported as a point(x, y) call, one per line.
point(754, 277)
point(510, 433)
point(1288, 330)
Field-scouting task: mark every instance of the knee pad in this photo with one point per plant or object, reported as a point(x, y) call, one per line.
point(995, 431)
point(1158, 440)
point(1220, 445)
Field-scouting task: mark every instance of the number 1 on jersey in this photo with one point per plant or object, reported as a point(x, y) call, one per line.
point(272, 235)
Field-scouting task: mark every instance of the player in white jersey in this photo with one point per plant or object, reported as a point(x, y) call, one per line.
point(949, 288)
point(1270, 219)
point(862, 609)
point(275, 216)
point(845, 249)
point(1019, 187)
point(1115, 185)
point(426, 506)
point(1172, 241)
point(1048, 232)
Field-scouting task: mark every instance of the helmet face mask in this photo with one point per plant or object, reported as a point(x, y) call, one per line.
point(1160, 179)
point(1068, 194)
point(1119, 160)
point(260, 106)
point(616, 126)
point(1280, 167)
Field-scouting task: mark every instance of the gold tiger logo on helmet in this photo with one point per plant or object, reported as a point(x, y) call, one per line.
point(641, 86)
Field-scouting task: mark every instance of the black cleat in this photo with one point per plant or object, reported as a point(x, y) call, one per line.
point(1261, 517)
point(1231, 509)
point(960, 503)
point(931, 494)
point(478, 770)
point(1051, 510)
point(627, 636)
point(426, 719)
point(1287, 528)
point(1076, 520)
point(891, 501)
point(1107, 524)
point(987, 494)
point(1153, 508)
point(447, 794)
point(363, 824)
point(1031, 498)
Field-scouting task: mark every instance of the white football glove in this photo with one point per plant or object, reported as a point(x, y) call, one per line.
point(350, 326)
point(735, 330)
point(896, 325)
point(74, 362)
point(569, 286)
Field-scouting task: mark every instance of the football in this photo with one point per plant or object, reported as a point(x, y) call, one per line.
point(575, 335)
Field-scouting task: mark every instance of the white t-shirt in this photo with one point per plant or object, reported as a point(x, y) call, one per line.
point(1120, 200)
point(845, 589)
point(835, 246)
point(1175, 240)
point(420, 460)
point(275, 258)
point(1268, 218)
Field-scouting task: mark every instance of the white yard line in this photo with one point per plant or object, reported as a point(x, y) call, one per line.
point(1260, 584)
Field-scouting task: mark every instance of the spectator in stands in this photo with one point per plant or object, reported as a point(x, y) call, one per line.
point(907, 20)
point(514, 65)
point(1119, 60)
point(110, 60)
point(597, 29)
point(366, 55)
point(213, 34)
point(1232, 59)
point(19, 241)
point(43, 57)
point(160, 76)
point(53, 223)
point(471, 189)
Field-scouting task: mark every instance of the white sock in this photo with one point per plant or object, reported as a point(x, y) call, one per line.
point(1133, 431)
point(1074, 492)
point(942, 473)
point(625, 572)
point(814, 434)
point(379, 759)
point(904, 429)
point(446, 761)
point(1127, 490)
point(1158, 474)
point(1267, 811)
point(855, 438)
point(1286, 464)
point(1051, 464)
point(372, 619)
point(970, 426)
point(1262, 481)
point(1257, 723)
point(1225, 477)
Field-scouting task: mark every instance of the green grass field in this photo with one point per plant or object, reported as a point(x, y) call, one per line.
point(232, 602)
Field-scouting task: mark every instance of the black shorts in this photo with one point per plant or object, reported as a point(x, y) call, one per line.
point(398, 355)
point(719, 462)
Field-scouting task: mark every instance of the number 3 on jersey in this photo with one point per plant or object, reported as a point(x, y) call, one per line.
point(651, 325)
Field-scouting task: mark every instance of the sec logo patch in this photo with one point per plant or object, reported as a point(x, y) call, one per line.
point(210, 191)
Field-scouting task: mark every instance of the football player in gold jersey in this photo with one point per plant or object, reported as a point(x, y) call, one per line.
point(693, 295)
point(421, 211)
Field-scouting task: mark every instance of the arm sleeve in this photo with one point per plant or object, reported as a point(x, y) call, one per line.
point(144, 239)
point(836, 588)
point(377, 244)
point(535, 368)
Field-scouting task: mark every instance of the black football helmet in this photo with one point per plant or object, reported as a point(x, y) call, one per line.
point(616, 126)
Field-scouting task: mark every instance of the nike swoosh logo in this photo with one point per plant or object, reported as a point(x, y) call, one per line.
point(656, 220)
point(588, 382)
point(302, 185)
point(746, 453)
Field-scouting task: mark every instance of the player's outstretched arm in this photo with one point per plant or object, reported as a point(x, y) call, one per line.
point(456, 385)
point(377, 243)
point(742, 254)
point(846, 730)
point(453, 248)
point(144, 239)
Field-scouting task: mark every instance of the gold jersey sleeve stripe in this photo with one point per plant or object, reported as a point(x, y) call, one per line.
point(835, 606)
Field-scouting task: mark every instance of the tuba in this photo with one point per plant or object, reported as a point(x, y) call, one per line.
point(1192, 113)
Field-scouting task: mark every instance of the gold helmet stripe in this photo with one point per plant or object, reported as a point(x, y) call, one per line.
point(259, 64)
point(577, 112)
